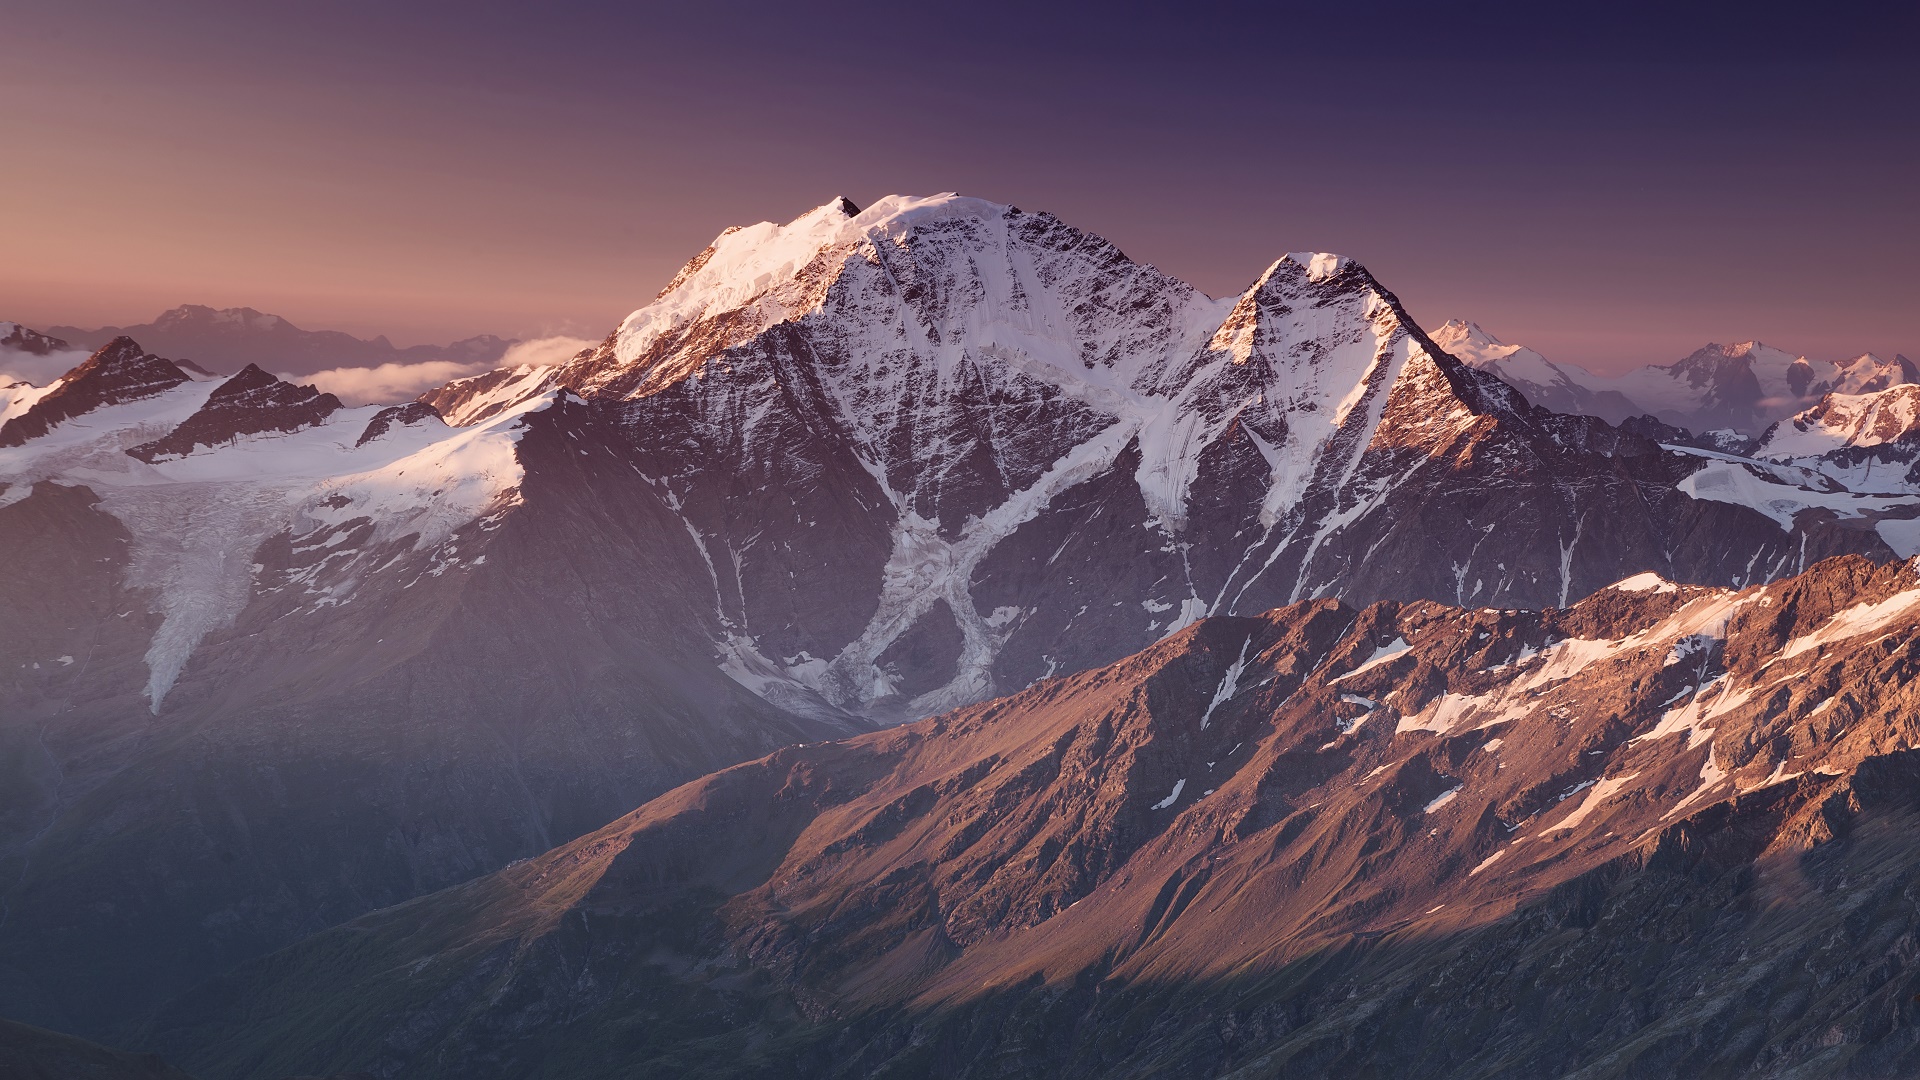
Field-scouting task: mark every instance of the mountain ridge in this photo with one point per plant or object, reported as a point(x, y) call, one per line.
point(1437, 811)
point(1743, 388)
point(230, 338)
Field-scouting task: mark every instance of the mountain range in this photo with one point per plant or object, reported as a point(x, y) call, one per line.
point(1737, 391)
point(973, 524)
point(227, 339)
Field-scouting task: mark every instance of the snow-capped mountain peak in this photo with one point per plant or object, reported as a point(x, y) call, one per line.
point(1867, 373)
point(1320, 265)
point(966, 272)
point(1741, 388)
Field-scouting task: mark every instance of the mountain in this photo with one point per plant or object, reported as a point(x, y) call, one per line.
point(29, 1053)
point(1667, 832)
point(20, 339)
point(1867, 373)
point(1742, 389)
point(226, 339)
point(1866, 443)
point(276, 663)
point(992, 395)
point(1545, 383)
point(120, 373)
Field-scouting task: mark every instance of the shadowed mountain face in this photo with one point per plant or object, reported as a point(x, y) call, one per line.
point(1667, 832)
point(389, 705)
point(271, 663)
point(28, 1053)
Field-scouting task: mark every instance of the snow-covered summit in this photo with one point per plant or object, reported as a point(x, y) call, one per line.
point(972, 273)
point(1842, 420)
point(1867, 373)
point(1561, 388)
point(1320, 265)
point(1470, 343)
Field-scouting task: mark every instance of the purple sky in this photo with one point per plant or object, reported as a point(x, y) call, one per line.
point(1613, 185)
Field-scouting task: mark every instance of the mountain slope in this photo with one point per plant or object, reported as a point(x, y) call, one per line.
point(28, 1053)
point(1544, 382)
point(1410, 838)
point(267, 684)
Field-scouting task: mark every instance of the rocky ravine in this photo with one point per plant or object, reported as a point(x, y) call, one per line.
point(1668, 832)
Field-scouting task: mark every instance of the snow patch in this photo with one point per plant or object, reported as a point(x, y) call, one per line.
point(1648, 582)
point(1599, 794)
point(1381, 654)
point(1854, 622)
point(1228, 684)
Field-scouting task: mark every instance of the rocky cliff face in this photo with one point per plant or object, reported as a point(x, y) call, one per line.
point(1665, 832)
point(286, 663)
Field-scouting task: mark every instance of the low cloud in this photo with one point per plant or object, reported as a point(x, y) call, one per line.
point(545, 352)
point(18, 366)
point(387, 383)
point(390, 383)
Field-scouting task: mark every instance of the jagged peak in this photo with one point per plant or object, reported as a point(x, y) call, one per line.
point(1456, 329)
point(1320, 265)
point(756, 254)
point(117, 372)
point(202, 313)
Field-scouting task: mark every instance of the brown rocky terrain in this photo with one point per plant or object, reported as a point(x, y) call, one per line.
point(1665, 832)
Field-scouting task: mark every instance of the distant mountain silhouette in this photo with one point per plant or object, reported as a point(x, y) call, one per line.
point(227, 339)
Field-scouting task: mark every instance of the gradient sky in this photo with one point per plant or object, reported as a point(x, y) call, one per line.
point(1613, 184)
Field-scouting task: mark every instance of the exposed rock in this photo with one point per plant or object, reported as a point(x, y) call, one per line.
point(118, 373)
point(252, 402)
point(413, 412)
point(1411, 838)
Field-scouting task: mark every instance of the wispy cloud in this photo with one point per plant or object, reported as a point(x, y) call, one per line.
point(545, 352)
point(18, 366)
point(388, 383)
